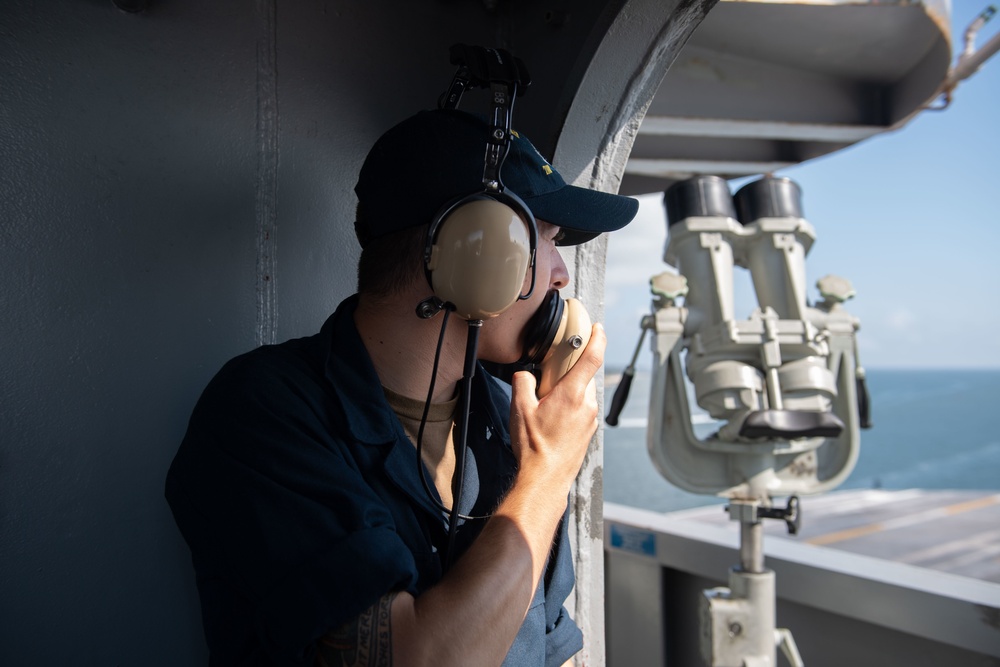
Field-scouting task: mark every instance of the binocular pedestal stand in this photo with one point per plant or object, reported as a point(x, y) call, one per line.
point(738, 622)
point(786, 382)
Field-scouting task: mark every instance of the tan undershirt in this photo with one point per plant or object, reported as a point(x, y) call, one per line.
point(437, 450)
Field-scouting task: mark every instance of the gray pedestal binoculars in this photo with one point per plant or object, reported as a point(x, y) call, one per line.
point(785, 383)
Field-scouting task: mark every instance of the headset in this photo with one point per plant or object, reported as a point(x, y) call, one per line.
point(479, 246)
point(555, 338)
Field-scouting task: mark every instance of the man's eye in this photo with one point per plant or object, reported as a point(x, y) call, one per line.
point(559, 236)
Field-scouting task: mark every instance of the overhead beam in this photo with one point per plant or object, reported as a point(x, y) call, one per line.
point(755, 129)
point(676, 169)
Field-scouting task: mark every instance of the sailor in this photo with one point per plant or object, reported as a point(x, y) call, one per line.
point(298, 483)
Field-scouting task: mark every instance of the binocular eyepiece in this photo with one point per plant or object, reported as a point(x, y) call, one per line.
point(708, 196)
point(761, 228)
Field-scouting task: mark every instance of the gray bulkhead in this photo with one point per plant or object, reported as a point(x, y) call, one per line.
point(177, 189)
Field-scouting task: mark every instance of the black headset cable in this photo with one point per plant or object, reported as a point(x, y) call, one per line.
point(420, 433)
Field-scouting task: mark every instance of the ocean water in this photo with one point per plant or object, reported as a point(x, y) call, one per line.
point(932, 429)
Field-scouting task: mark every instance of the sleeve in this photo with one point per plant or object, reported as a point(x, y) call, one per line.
point(280, 512)
point(563, 639)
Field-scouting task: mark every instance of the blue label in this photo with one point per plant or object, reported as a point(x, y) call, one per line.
point(634, 540)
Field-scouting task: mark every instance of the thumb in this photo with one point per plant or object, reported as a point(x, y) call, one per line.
point(523, 402)
point(523, 386)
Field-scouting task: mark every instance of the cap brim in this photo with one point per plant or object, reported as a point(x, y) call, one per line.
point(583, 214)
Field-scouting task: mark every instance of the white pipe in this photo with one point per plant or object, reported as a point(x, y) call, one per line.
point(967, 66)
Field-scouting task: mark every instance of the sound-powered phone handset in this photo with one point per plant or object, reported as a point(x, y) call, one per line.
point(570, 341)
point(556, 338)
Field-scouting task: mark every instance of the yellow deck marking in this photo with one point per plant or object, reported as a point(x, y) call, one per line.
point(970, 505)
point(908, 520)
point(848, 534)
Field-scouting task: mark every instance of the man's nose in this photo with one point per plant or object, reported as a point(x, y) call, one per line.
point(559, 277)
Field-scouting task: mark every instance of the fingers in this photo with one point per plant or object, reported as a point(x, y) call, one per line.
point(592, 359)
point(552, 434)
point(525, 381)
point(523, 386)
point(577, 381)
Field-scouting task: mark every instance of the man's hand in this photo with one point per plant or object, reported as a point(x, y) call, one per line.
point(550, 436)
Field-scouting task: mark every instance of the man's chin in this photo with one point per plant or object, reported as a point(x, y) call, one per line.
point(500, 360)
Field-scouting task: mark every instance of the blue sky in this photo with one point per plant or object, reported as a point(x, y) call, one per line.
point(911, 218)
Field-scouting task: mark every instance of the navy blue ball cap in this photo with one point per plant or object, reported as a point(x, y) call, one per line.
point(436, 157)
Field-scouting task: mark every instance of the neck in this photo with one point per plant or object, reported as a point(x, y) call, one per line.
point(401, 346)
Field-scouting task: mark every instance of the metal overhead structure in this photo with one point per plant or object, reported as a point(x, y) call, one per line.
point(762, 86)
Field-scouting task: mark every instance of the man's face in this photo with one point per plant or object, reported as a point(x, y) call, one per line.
point(502, 338)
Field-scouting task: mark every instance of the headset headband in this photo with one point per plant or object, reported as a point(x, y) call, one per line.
point(506, 76)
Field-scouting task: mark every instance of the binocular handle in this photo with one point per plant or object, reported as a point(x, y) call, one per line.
point(864, 402)
point(621, 395)
point(621, 392)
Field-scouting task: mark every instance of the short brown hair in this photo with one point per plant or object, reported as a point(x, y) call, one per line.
point(389, 263)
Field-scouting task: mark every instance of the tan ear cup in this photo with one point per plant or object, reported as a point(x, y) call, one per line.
point(479, 260)
point(571, 339)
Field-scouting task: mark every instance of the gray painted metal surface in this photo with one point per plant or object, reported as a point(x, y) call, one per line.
point(176, 189)
point(842, 608)
point(762, 86)
point(636, 51)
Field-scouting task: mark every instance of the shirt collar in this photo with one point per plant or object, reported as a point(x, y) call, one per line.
point(356, 384)
point(352, 375)
point(371, 420)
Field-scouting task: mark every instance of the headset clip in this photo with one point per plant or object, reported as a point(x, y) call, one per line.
point(479, 67)
point(430, 307)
